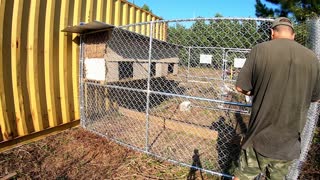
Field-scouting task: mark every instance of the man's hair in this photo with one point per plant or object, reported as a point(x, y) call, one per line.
point(284, 27)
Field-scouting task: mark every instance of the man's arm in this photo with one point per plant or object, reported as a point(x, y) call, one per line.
point(244, 82)
point(248, 93)
point(315, 100)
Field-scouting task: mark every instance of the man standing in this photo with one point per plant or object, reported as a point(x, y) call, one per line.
point(284, 78)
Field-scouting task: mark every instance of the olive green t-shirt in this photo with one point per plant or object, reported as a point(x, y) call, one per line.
point(284, 78)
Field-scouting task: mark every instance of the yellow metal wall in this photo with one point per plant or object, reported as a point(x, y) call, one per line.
point(39, 64)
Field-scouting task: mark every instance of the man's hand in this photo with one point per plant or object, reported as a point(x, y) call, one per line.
point(243, 91)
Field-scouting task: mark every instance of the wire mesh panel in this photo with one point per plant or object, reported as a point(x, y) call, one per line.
point(167, 87)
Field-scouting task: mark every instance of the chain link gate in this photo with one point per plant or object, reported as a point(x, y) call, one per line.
point(166, 88)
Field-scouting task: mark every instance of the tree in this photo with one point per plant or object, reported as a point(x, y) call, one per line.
point(146, 7)
point(214, 36)
point(262, 10)
point(299, 9)
point(218, 15)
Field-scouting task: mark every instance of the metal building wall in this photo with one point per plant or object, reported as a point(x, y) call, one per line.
point(39, 67)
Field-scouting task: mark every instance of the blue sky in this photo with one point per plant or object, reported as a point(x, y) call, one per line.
point(183, 9)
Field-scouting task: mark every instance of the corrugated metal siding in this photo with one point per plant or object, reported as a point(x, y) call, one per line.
point(39, 63)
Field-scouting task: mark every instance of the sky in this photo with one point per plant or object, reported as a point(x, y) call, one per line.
point(184, 9)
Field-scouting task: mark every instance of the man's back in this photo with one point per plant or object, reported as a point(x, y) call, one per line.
point(283, 80)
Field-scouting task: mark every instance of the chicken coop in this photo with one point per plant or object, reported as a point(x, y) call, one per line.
point(166, 88)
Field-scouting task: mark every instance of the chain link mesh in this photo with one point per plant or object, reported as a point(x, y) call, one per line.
point(167, 88)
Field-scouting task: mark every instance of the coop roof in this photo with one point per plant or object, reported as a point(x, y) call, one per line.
point(87, 27)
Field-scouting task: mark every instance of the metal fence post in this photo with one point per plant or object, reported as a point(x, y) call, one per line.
point(224, 64)
point(315, 36)
point(188, 71)
point(81, 93)
point(148, 87)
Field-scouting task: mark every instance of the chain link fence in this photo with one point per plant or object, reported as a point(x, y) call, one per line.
point(166, 88)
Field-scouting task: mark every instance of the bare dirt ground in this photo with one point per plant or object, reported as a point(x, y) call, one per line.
point(79, 154)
